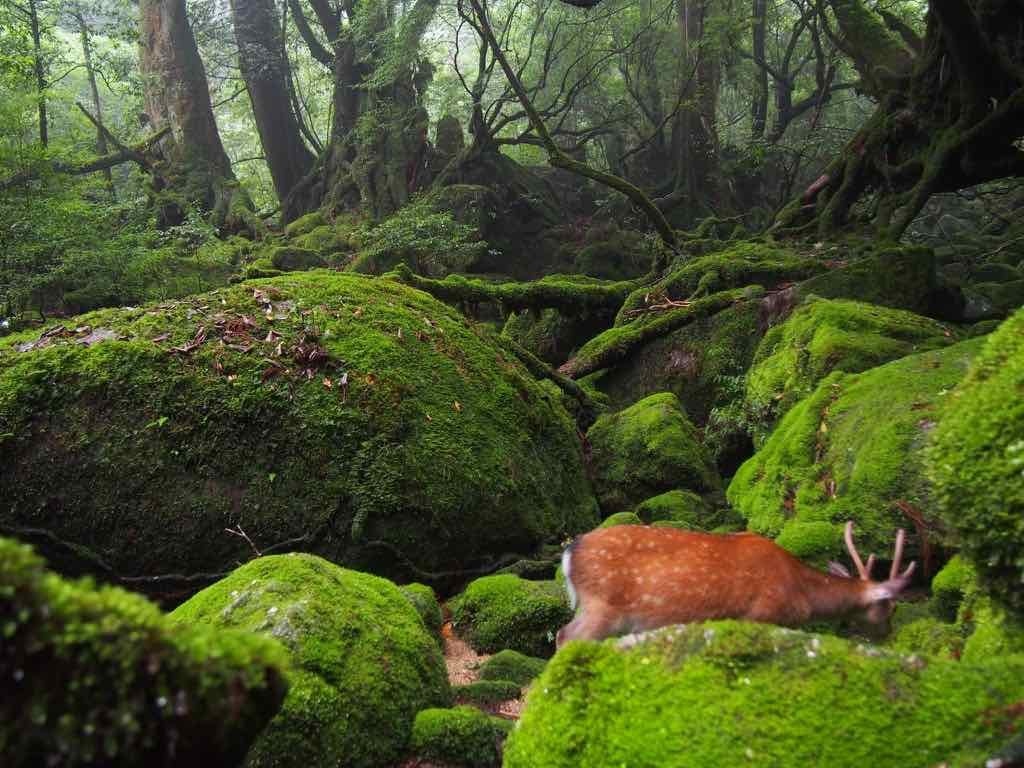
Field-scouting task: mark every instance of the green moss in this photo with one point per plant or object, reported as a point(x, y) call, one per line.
point(512, 665)
point(290, 258)
point(649, 448)
point(261, 267)
point(551, 335)
point(684, 507)
point(463, 736)
point(366, 664)
point(621, 518)
point(621, 256)
point(850, 451)
point(305, 224)
point(824, 336)
point(425, 602)
point(502, 612)
point(709, 694)
point(412, 428)
point(486, 692)
point(928, 636)
point(98, 676)
point(951, 585)
point(976, 461)
point(325, 240)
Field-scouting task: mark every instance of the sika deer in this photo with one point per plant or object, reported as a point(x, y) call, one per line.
point(632, 578)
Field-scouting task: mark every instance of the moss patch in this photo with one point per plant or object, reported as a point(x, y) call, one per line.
point(850, 451)
point(512, 665)
point(486, 692)
point(98, 676)
point(501, 612)
point(425, 602)
point(463, 736)
point(709, 694)
point(365, 663)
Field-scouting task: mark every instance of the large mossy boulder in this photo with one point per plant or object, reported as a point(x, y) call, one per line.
point(730, 693)
point(851, 450)
point(98, 676)
point(976, 460)
point(822, 336)
point(355, 417)
point(363, 662)
point(649, 448)
point(501, 612)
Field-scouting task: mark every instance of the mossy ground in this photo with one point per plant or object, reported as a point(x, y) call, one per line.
point(850, 451)
point(512, 665)
point(649, 448)
point(98, 676)
point(730, 693)
point(334, 409)
point(462, 736)
point(365, 663)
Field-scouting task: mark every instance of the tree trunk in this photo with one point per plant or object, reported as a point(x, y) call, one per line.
point(264, 66)
point(195, 171)
point(759, 104)
point(90, 71)
point(39, 68)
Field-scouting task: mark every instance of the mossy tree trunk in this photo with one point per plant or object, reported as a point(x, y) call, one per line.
point(949, 115)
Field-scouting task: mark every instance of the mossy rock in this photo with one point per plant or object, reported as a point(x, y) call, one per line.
point(976, 460)
point(326, 240)
point(98, 676)
point(387, 423)
point(951, 585)
point(822, 336)
point(993, 300)
point(462, 736)
point(364, 663)
point(486, 693)
point(710, 694)
point(621, 518)
point(551, 335)
point(290, 258)
point(850, 451)
point(305, 224)
point(423, 599)
point(261, 267)
point(678, 506)
point(496, 613)
point(994, 272)
point(621, 256)
point(649, 448)
point(512, 665)
point(736, 266)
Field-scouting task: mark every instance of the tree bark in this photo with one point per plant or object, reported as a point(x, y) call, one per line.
point(90, 71)
point(265, 69)
point(759, 103)
point(39, 68)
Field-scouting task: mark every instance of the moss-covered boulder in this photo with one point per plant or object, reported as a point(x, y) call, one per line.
point(305, 224)
point(513, 666)
point(748, 694)
point(486, 693)
point(364, 664)
point(501, 612)
point(677, 506)
point(425, 602)
point(462, 736)
point(649, 448)
point(851, 450)
point(621, 255)
point(994, 299)
point(98, 676)
point(976, 460)
point(289, 258)
point(822, 336)
point(356, 417)
point(621, 518)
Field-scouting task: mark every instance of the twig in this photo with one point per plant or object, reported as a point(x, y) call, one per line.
point(237, 531)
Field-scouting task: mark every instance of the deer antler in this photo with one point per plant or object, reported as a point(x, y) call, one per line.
point(897, 559)
point(864, 571)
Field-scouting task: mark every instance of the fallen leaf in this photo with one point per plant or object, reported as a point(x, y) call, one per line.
point(328, 384)
point(458, 406)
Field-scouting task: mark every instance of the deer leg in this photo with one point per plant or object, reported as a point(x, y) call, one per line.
point(591, 623)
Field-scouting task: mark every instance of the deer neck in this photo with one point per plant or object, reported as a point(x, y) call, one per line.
point(831, 596)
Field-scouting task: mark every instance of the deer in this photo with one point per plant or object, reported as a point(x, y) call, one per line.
point(632, 578)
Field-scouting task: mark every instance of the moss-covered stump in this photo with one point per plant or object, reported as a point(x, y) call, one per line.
point(822, 336)
point(647, 449)
point(98, 676)
point(364, 662)
point(746, 694)
point(501, 612)
point(977, 463)
point(462, 736)
point(356, 417)
point(852, 450)
point(512, 665)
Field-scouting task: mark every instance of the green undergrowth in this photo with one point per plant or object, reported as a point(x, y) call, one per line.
point(486, 693)
point(98, 676)
point(850, 451)
point(712, 694)
point(364, 662)
point(356, 416)
point(462, 736)
point(512, 665)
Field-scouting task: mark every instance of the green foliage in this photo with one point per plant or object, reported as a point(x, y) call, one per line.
point(365, 664)
point(97, 676)
point(709, 694)
point(976, 461)
point(512, 665)
point(649, 448)
point(850, 451)
point(496, 613)
point(463, 736)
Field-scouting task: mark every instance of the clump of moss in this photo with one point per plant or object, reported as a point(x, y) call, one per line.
point(951, 585)
point(678, 506)
point(850, 451)
point(290, 258)
point(360, 417)
point(621, 518)
point(365, 663)
point(976, 460)
point(486, 692)
point(501, 612)
point(512, 665)
point(822, 336)
point(98, 676)
point(305, 224)
point(929, 636)
point(463, 736)
point(708, 694)
point(425, 602)
point(649, 448)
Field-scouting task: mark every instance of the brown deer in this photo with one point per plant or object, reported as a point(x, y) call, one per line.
point(632, 578)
